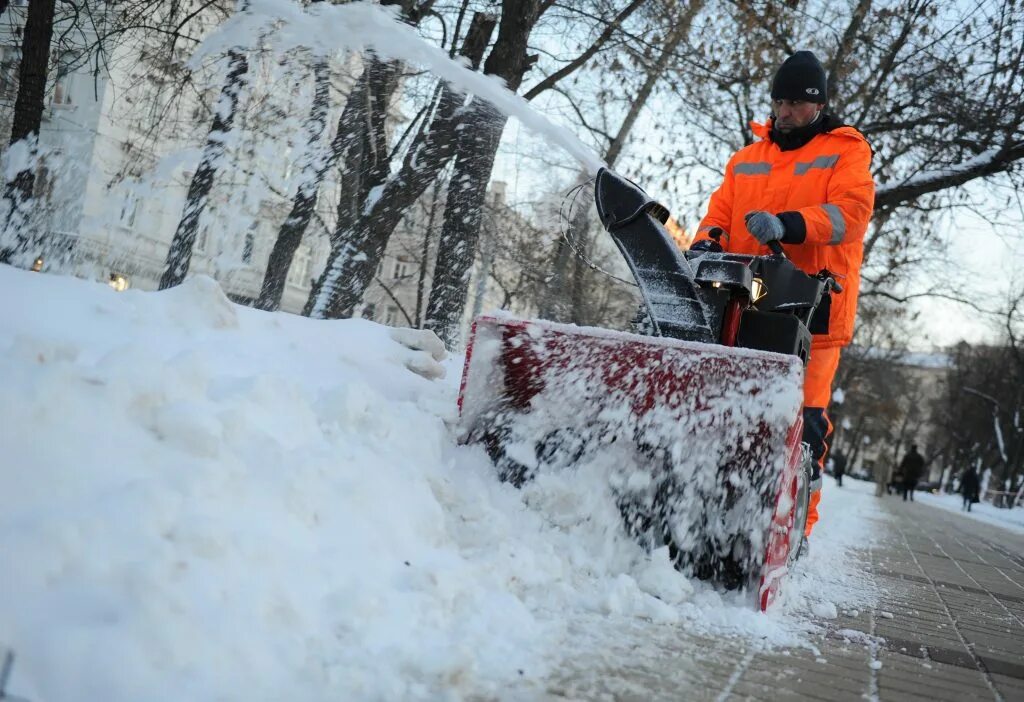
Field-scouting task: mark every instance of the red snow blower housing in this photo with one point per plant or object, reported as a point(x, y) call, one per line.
point(694, 431)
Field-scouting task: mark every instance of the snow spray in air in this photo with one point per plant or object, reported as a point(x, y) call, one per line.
point(326, 29)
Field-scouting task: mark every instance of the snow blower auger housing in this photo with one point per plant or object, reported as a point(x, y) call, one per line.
point(694, 431)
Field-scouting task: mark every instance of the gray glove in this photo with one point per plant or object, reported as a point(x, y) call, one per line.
point(764, 226)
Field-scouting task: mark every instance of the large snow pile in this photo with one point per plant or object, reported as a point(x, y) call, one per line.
point(202, 501)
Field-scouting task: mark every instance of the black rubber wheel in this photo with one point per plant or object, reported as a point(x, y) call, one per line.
point(803, 499)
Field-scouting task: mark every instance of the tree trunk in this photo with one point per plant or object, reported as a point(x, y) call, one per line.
point(552, 304)
point(460, 231)
point(347, 147)
point(35, 60)
point(366, 160)
point(179, 256)
point(311, 174)
point(28, 115)
point(486, 266)
point(365, 226)
point(477, 148)
point(424, 259)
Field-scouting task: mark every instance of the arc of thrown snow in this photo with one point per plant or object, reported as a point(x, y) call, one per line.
point(325, 29)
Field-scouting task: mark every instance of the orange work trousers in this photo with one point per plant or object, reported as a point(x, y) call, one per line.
point(818, 376)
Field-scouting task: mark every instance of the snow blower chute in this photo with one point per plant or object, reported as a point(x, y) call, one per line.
point(697, 426)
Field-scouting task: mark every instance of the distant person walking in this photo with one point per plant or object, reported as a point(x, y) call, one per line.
point(970, 486)
point(912, 466)
point(838, 467)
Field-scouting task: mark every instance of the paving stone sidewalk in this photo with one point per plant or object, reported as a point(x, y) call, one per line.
point(949, 625)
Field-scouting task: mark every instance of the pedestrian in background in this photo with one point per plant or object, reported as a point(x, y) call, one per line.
point(912, 466)
point(838, 467)
point(970, 486)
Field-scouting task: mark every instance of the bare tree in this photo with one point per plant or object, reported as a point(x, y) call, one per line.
point(460, 235)
point(355, 256)
point(311, 173)
point(179, 255)
point(28, 113)
point(981, 413)
point(476, 149)
point(360, 131)
point(366, 222)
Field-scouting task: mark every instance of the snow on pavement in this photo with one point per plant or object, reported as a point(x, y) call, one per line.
point(1011, 519)
point(203, 501)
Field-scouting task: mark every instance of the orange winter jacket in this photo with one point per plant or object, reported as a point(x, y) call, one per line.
point(824, 194)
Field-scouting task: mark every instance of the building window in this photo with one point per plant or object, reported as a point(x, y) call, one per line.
point(129, 209)
point(61, 91)
point(400, 270)
point(62, 82)
point(250, 241)
point(44, 182)
point(10, 59)
point(368, 311)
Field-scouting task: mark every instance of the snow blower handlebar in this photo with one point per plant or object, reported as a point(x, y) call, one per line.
point(759, 302)
point(775, 245)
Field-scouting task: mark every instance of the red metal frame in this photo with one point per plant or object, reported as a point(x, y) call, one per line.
point(731, 321)
point(465, 364)
point(781, 537)
point(530, 348)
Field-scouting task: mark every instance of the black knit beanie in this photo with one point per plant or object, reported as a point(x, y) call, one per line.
point(801, 77)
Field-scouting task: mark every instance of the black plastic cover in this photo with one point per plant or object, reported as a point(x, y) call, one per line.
point(774, 331)
point(635, 221)
point(735, 275)
point(620, 201)
point(819, 322)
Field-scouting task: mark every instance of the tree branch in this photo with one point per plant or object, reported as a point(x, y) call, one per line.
point(985, 164)
point(580, 60)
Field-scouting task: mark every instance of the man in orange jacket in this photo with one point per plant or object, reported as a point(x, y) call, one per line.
point(806, 183)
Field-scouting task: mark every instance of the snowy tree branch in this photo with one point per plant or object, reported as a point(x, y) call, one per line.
point(988, 163)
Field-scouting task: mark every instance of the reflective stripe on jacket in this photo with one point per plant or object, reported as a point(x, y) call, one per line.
point(823, 188)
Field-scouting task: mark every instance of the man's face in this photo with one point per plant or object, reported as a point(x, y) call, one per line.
point(793, 114)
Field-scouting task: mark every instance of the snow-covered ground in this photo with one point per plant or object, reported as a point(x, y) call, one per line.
point(202, 501)
point(1012, 519)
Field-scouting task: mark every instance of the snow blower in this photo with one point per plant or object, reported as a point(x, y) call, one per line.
point(697, 426)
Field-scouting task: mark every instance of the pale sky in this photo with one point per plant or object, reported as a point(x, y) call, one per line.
point(990, 262)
